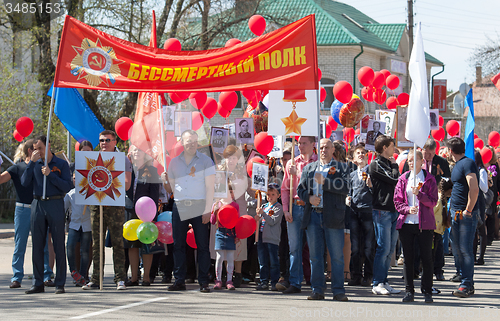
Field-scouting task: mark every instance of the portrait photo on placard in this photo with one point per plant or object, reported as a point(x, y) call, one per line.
point(244, 130)
point(259, 177)
point(401, 140)
point(168, 117)
point(220, 187)
point(218, 138)
point(277, 150)
point(434, 118)
point(337, 135)
point(375, 128)
point(232, 129)
point(388, 117)
point(364, 123)
point(182, 122)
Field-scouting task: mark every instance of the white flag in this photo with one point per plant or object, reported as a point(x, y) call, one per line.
point(417, 120)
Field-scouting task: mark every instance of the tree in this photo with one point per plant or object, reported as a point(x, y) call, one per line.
point(487, 56)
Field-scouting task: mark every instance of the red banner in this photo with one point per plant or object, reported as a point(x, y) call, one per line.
point(283, 59)
point(439, 95)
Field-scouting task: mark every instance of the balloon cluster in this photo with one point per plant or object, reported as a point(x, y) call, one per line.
point(373, 83)
point(143, 229)
point(24, 128)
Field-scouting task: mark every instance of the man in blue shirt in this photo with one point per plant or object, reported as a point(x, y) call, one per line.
point(48, 211)
point(192, 177)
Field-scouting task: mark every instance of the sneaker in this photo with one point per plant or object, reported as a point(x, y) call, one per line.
point(121, 285)
point(463, 292)
point(409, 297)
point(91, 286)
point(391, 289)
point(380, 289)
point(218, 285)
point(435, 291)
point(229, 286)
point(78, 278)
point(456, 278)
point(262, 287)
point(205, 288)
point(401, 261)
point(291, 289)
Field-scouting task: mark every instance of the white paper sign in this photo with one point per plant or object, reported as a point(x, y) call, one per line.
point(277, 151)
point(259, 177)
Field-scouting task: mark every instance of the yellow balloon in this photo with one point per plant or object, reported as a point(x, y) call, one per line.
point(130, 229)
point(354, 96)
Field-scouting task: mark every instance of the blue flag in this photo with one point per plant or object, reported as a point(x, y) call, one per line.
point(76, 115)
point(469, 127)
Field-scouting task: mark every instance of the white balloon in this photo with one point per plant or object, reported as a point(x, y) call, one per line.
point(265, 101)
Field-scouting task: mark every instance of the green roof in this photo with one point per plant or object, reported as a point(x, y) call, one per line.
point(389, 33)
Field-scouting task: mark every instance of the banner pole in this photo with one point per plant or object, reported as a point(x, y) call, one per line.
point(101, 248)
point(48, 140)
point(162, 134)
point(7, 158)
point(290, 205)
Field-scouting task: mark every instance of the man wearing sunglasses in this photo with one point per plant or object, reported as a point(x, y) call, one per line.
point(113, 219)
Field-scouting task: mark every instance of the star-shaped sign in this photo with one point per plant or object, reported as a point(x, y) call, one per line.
point(100, 179)
point(293, 123)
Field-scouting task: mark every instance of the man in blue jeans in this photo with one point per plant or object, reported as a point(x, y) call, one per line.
point(464, 212)
point(293, 173)
point(191, 176)
point(323, 187)
point(384, 175)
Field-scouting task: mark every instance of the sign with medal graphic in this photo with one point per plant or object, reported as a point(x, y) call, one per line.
point(100, 178)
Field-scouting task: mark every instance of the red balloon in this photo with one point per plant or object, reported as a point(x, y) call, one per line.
point(123, 127)
point(379, 96)
point(486, 155)
point(365, 75)
point(378, 80)
point(494, 139)
point(438, 146)
point(172, 44)
point(177, 149)
point(24, 126)
point(438, 134)
point(328, 131)
point(190, 239)
point(77, 146)
point(257, 24)
point(392, 82)
point(223, 111)
point(264, 143)
point(392, 103)
point(452, 127)
point(320, 74)
point(367, 93)
point(343, 91)
point(198, 99)
point(210, 108)
point(245, 227)
point(441, 121)
point(322, 94)
point(250, 164)
point(333, 124)
point(348, 135)
point(178, 97)
point(228, 216)
point(198, 120)
point(385, 72)
point(248, 94)
point(478, 143)
point(228, 99)
point(475, 136)
point(232, 42)
point(357, 131)
point(17, 136)
point(165, 234)
point(403, 99)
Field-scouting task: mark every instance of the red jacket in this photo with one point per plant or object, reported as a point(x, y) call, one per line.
point(427, 198)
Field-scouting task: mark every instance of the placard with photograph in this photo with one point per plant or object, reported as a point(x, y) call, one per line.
point(218, 139)
point(183, 121)
point(401, 141)
point(375, 129)
point(244, 130)
point(168, 117)
point(220, 187)
point(254, 153)
point(434, 118)
point(259, 177)
point(386, 116)
point(277, 150)
point(232, 129)
point(337, 135)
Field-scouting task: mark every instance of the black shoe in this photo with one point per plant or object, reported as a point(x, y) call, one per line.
point(49, 283)
point(59, 290)
point(366, 281)
point(440, 277)
point(340, 297)
point(479, 261)
point(282, 286)
point(428, 298)
point(146, 283)
point(15, 285)
point(237, 279)
point(204, 288)
point(463, 292)
point(262, 287)
point(291, 289)
point(456, 278)
point(408, 297)
point(190, 280)
point(177, 287)
point(316, 296)
point(354, 282)
point(132, 283)
point(35, 289)
point(166, 280)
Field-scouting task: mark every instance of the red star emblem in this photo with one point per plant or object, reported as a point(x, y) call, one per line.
point(100, 179)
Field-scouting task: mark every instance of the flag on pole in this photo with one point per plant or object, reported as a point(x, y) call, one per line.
point(496, 80)
point(469, 126)
point(417, 120)
point(76, 115)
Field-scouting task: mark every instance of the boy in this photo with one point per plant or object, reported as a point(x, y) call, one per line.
point(361, 222)
point(269, 215)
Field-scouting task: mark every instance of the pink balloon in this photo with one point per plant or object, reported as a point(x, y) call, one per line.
point(165, 234)
point(145, 208)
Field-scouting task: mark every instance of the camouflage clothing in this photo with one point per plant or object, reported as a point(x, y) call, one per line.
point(113, 218)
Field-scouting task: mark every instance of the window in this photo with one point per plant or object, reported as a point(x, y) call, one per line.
point(328, 85)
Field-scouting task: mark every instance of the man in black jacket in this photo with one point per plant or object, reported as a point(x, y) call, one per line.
point(323, 187)
point(384, 175)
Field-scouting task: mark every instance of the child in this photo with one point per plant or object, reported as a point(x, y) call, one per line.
point(442, 223)
point(269, 215)
point(80, 230)
point(225, 244)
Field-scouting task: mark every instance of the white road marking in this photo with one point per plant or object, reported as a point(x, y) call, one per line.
point(117, 308)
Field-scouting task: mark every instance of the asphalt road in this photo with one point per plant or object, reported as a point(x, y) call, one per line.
point(155, 302)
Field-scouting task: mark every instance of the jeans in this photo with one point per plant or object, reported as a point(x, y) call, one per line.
point(386, 235)
point(446, 241)
point(84, 238)
point(317, 234)
point(295, 243)
point(362, 245)
point(202, 235)
point(462, 236)
point(269, 262)
point(22, 229)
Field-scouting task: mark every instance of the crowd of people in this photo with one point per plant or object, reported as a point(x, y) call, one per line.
point(330, 214)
